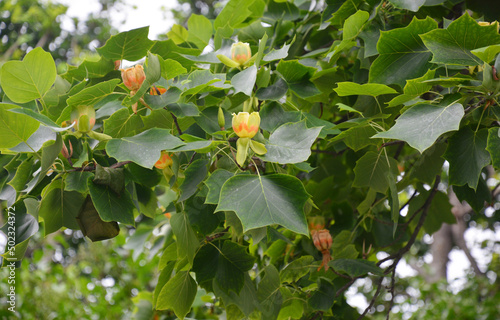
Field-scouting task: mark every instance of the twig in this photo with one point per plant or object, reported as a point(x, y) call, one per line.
point(217, 235)
point(176, 124)
point(391, 290)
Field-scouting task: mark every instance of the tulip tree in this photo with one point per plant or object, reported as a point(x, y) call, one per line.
point(270, 153)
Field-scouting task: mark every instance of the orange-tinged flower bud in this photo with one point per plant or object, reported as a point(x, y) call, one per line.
point(246, 125)
point(164, 161)
point(240, 52)
point(117, 64)
point(133, 77)
point(322, 239)
point(316, 223)
point(157, 91)
point(84, 118)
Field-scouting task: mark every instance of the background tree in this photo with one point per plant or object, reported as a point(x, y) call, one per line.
point(335, 177)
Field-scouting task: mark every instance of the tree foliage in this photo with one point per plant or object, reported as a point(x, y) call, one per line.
point(354, 107)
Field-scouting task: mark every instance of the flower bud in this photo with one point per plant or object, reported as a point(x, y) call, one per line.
point(157, 91)
point(246, 125)
point(84, 118)
point(322, 239)
point(221, 119)
point(316, 223)
point(117, 64)
point(240, 52)
point(133, 77)
point(164, 161)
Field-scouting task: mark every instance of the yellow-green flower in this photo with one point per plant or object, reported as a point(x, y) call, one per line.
point(240, 52)
point(84, 118)
point(246, 125)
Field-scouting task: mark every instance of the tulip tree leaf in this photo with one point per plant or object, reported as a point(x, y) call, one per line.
point(15, 128)
point(269, 294)
point(369, 89)
point(178, 294)
point(402, 54)
point(261, 201)
point(122, 123)
point(355, 267)
point(493, 146)
point(413, 89)
point(370, 171)
point(412, 5)
point(195, 174)
point(244, 81)
point(296, 269)
point(91, 95)
point(467, 156)
point(144, 148)
point(215, 183)
point(453, 45)
point(110, 205)
point(200, 30)
point(291, 143)
point(187, 242)
point(130, 45)
point(224, 262)
point(422, 124)
point(27, 80)
point(59, 208)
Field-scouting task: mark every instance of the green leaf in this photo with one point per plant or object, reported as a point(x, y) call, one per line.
point(291, 143)
point(234, 13)
point(355, 267)
point(413, 89)
point(200, 81)
point(412, 5)
point(438, 213)
point(130, 45)
point(322, 298)
point(122, 123)
point(277, 54)
point(225, 262)
point(25, 225)
point(110, 205)
point(402, 54)
point(36, 141)
point(112, 177)
point(269, 294)
point(244, 81)
point(40, 118)
point(274, 91)
point(15, 128)
point(144, 148)
point(338, 11)
point(475, 198)
point(357, 137)
point(93, 226)
point(370, 171)
point(91, 95)
point(467, 156)
point(246, 300)
point(178, 34)
point(422, 124)
point(352, 27)
point(293, 71)
point(92, 69)
point(200, 30)
point(296, 269)
point(161, 101)
point(493, 146)
point(187, 242)
point(27, 80)
point(22, 174)
point(195, 174)
point(453, 45)
point(178, 294)
point(266, 200)
point(429, 164)
point(214, 183)
point(59, 208)
point(369, 89)
point(201, 215)
point(171, 68)
point(487, 54)
point(77, 181)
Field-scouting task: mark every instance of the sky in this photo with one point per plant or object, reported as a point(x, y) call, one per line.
point(134, 14)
